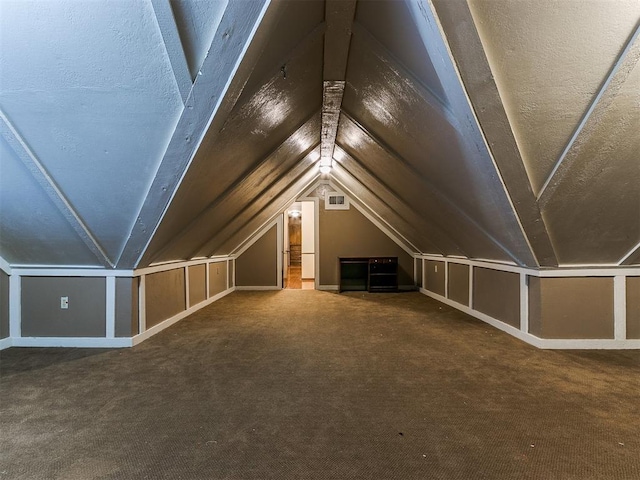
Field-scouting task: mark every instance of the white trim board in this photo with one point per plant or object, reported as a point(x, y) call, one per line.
point(6, 343)
point(163, 267)
point(543, 343)
point(141, 337)
point(72, 342)
point(63, 271)
point(258, 288)
point(4, 266)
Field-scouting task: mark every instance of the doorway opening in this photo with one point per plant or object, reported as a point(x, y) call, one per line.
point(299, 243)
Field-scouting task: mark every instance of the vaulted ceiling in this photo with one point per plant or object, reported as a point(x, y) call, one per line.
point(136, 132)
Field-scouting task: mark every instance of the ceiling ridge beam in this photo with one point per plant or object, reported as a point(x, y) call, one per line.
point(379, 185)
point(173, 45)
point(349, 191)
point(432, 188)
point(246, 178)
point(302, 178)
point(212, 92)
point(467, 48)
point(609, 89)
point(432, 99)
point(339, 16)
point(473, 141)
point(55, 194)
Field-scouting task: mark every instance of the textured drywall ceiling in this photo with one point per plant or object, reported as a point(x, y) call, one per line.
point(134, 133)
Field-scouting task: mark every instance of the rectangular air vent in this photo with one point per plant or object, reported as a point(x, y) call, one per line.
point(336, 201)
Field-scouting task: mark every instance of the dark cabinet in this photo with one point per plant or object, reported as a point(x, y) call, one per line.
point(373, 274)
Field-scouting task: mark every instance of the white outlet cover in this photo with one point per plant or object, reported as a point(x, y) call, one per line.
point(64, 303)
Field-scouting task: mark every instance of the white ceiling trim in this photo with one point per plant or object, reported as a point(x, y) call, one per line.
point(629, 254)
point(44, 180)
point(619, 73)
point(4, 266)
point(173, 45)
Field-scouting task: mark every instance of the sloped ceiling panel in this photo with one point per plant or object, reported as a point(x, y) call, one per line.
point(569, 78)
point(403, 115)
point(96, 114)
point(257, 127)
point(549, 59)
point(34, 231)
point(197, 23)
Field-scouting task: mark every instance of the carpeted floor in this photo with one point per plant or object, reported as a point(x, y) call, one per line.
point(304, 384)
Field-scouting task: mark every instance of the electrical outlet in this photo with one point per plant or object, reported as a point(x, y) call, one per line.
point(217, 270)
point(436, 267)
point(64, 303)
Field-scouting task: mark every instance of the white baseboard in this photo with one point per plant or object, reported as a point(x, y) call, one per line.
point(258, 288)
point(6, 343)
point(543, 343)
point(141, 337)
point(72, 342)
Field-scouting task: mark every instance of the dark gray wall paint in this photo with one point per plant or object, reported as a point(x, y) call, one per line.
point(231, 269)
point(435, 277)
point(418, 278)
point(633, 307)
point(459, 283)
point(217, 278)
point(497, 294)
point(258, 265)
point(127, 307)
point(43, 317)
point(4, 305)
point(348, 233)
point(571, 307)
point(197, 284)
point(165, 295)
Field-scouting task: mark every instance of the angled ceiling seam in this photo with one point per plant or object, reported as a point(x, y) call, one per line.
point(413, 249)
point(302, 192)
point(475, 71)
point(300, 178)
point(616, 77)
point(628, 257)
point(474, 142)
point(380, 186)
point(173, 45)
point(290, 195)
point(262, 194)
point(434, 190)
point(208, 93)
point(40, 174)
point(234, 186)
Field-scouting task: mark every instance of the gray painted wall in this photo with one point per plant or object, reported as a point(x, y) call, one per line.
point(459, 283)
point(197, 284)
point(435, 277)
point(127, 307)
point(4, 305)
point(258, 265)
point(633, 307)
point(497, 294)
point(232, 268)
point(571, 307)
point(165, 295)
point(217, 278)
point(43, 317)
point(348, 233)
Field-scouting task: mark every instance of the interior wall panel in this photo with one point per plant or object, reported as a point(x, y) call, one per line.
point(42, 315)
point(435, 277)
point(348, 233)
point(497, 294)
point(4, 305)
point(633, 307)
point(165, 295)
point(571, 307)
point(258, 265)
point(197, 284)
point(218, 276)
point(126, 307)
point(459, 283)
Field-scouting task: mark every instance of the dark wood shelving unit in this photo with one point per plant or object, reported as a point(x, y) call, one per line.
point(372, 274)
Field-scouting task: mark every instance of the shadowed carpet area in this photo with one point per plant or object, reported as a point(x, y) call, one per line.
point(315, 385)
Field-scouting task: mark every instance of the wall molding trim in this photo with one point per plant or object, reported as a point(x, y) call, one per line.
point(72, 342)
point(6, 343)
point(259, 288)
